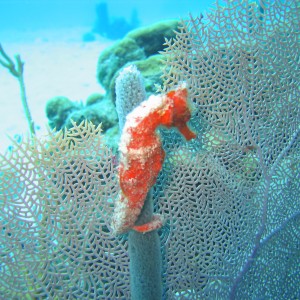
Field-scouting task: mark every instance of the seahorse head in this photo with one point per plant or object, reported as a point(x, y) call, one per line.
point(181, 113)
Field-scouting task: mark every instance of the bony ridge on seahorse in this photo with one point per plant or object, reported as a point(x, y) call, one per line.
point(142, 155)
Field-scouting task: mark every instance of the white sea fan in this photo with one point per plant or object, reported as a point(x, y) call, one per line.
point(232, 198)
point(57, 196)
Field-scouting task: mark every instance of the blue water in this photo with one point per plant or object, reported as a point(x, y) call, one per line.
point(42, 14)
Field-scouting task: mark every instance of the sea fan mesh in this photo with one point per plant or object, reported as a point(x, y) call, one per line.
point(56, 201)
point(230, 197)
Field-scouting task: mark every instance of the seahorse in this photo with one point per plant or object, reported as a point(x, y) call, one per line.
point(142, 155)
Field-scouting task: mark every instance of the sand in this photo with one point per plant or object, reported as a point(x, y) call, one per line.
point(57, 62)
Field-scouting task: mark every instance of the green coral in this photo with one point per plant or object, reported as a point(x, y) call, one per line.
point(115, 57)
point(103, 113)
point(151, 38)
point(58, 109)
point(138, 45)
point(94, 98)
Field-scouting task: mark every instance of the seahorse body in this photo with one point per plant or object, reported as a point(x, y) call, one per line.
point(142, 155)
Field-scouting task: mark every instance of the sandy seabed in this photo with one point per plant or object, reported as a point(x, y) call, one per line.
point(57, 63)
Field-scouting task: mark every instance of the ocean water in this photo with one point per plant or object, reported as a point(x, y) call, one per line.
point(59, 42)
point(36, 14)
point(53, 39)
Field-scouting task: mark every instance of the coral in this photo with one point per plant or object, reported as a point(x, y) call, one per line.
point(111, 138)
point(94, 98)
point(17, 69)
point(151, 71)
point(137, 45)
point(115, 57)
point(130, 92)
point(152, 38)
point(58, 110)
point(61, 112)
point(140, 46)
point(141, 154)
point(102, 112)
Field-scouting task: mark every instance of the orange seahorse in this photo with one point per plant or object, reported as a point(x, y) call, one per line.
point(142, 155)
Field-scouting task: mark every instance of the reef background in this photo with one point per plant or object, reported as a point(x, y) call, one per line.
point(49, 38)
point(57, 62)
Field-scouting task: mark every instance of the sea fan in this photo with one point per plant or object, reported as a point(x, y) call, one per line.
point(233, 199)
point(57, 197)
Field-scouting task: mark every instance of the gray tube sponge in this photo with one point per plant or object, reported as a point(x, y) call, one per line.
point(130, 92)
point(144, 248)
